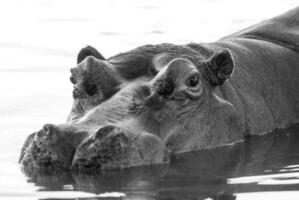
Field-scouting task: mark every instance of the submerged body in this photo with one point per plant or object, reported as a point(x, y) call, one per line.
point(138, 107)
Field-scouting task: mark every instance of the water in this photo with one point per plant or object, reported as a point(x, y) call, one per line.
point(39, 40)
point(264, 167)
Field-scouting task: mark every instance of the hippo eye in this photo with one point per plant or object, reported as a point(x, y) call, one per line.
point(73, 80)
point(90, 88)
point(193, 80)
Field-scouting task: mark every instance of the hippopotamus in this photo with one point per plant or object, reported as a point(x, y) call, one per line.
point(145, 105)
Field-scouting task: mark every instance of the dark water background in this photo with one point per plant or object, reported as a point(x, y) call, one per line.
point(39, 40)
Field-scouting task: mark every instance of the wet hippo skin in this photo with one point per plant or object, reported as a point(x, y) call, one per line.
point(140, 106)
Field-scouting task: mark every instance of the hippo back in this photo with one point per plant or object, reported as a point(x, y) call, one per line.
point(266, 74)
point(282, 30)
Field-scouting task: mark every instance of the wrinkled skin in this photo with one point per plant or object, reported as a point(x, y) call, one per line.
point(138, 107)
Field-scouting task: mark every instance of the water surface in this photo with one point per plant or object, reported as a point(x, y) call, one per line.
point(260, 168)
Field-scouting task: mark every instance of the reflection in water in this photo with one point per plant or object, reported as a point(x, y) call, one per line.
point(262, 163)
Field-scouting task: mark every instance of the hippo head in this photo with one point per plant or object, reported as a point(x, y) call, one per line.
point(93, 82)
point(184, 82)
point(186, 105)
point(96, 79)
point(137, 107)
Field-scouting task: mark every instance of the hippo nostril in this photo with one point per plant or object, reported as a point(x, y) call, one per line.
point(38, 135)
point(165, 88)
point(48, 129)
point(49, 132)
point(76, 93)
point(44, 132)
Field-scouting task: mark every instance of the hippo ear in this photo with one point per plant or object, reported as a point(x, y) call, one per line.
point(220, 67)
point(89, 51)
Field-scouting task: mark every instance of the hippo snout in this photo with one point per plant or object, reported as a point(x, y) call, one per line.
point(47, 149)
point(112, 148)
point(47, 132)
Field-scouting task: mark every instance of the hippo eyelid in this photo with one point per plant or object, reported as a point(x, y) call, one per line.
point(193, 80)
